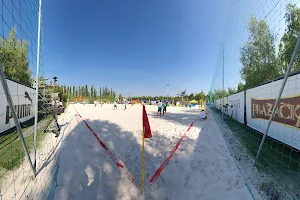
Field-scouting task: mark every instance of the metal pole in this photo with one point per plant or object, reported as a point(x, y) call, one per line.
point(278, 98)
point(223, 93)
point(37, 82)
point(143, 162)
point(13, 112)
point(167, 90)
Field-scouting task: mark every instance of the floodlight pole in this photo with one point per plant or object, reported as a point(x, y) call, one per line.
point(167, 89)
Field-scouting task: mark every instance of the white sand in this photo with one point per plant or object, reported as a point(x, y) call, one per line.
point(201, 168)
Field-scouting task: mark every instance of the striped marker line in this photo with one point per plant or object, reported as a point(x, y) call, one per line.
point(164, 164)
point(108, 152)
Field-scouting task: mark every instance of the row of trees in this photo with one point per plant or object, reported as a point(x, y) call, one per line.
point(192, 96)
point(219, 93)
point(260, 61)
point(90, 94)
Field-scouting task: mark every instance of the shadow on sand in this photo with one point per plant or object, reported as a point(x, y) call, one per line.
point(87, 172)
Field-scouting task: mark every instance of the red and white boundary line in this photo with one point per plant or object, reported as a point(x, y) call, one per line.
point(108, 152)
point(163, 165)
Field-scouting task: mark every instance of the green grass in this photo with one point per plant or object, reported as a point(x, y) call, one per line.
point(274, 152)
point(7, 139)
point(12, 153)
point(281, 160)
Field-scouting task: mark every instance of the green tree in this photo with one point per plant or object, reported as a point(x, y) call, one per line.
point(95, 93)
point(92, 92)
point(114, 95)
point(200, 95)
point(219, 93)
point(13, 57)
point(82, 93)
point(258, 54)
point(65, 89)
point(289, 39)
point(191, 96)
point(231, 91)
point(240, 87)
point(120, 97)
point(86, 91)
point(76, 91)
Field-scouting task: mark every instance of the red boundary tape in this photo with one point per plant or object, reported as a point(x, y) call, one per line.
point(108, 152)
point(164, 164)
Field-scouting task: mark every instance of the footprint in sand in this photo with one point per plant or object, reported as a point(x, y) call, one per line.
point(209, 139)
point(221, 150)
point(201, 197)
point(206, 127)
point(198, 166)
point(202, 149)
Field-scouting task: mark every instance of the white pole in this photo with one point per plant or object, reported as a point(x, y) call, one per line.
point(37, 81)
point(223, 85)
point(167, 85)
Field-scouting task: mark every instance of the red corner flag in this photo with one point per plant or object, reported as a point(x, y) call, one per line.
point(146, 125)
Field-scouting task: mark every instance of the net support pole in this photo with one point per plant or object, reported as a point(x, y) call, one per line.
point(14, 115)
point(37, 82)
point(278, 98)
point(223, 93)
point(143, 162)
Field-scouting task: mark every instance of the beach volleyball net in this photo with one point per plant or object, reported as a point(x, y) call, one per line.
point(255, 93)
point(26, 149)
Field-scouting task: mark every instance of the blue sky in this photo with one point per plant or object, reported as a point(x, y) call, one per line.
point(135, 47)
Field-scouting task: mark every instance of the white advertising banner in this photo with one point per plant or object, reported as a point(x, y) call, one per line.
point(236, 106)
point(224, 101)
point(218, 104)
point(24, 102)
point(286, 124)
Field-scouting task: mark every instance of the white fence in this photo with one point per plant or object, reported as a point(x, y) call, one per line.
point(236, 107)
point(259, 102)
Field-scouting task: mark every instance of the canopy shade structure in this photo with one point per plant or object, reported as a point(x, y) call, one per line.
point(193, 101)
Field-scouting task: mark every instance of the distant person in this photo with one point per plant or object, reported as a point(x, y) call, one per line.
point(101, 103)
point(95, 102)
point(115, 105)
point(202, 115)
point(159, 105)
point(164, 107)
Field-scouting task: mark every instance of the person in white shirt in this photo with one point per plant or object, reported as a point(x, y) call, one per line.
point(125, 105)
point(115, 105)
point(202, 115)
point(159, 105)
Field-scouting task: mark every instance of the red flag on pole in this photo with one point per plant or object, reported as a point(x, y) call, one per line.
point(146, 125)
